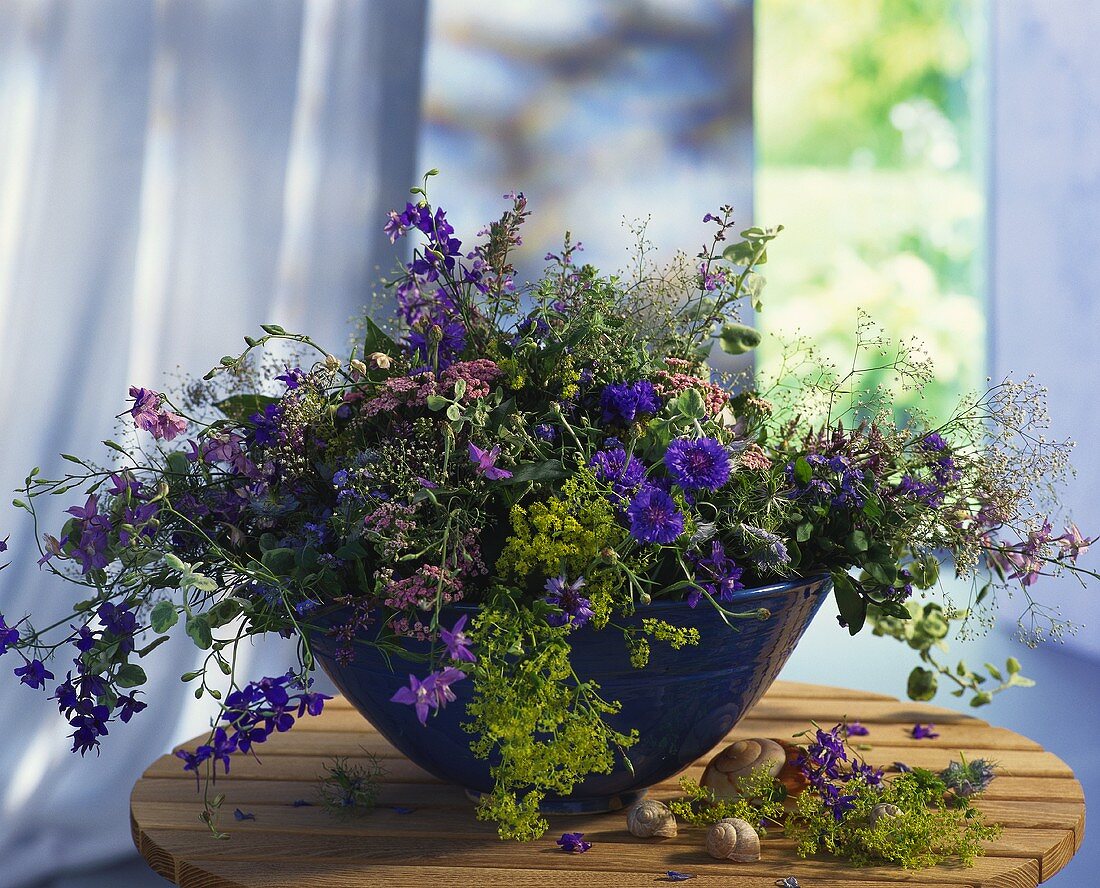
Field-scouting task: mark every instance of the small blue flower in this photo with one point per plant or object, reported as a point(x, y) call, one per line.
point(698, 464)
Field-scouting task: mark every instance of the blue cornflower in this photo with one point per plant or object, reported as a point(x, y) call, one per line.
point(623, 403)
point(624, 474)
point(34, 674)
point(698, 464)
point(654, 517)
point(576, 609)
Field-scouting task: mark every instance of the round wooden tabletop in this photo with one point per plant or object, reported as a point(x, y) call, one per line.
point(423, 832)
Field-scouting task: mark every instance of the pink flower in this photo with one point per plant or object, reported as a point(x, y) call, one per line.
point(1072, 542)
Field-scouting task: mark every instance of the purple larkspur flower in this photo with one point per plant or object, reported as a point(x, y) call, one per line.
point(855, 729)
point(485, 462)
point(292, 378)
point(441, 682)
point(451, 345)
point(457, 641)
point(33, 674)
point(573, 843)
point(1072, 542)
point(698, 464)
point(715, 573)
point(576, 610)
point(933, 442)
point(418, 695)
point(9, 636)
point(546, 432)
point(623, 403)
point(924, 732)
point(654, 517)
point(146, 407)
point(129, 706)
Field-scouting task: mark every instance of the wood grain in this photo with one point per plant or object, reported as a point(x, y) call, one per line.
point(424, 832)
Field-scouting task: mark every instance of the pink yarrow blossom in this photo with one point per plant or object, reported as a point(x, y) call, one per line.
point(485, 462)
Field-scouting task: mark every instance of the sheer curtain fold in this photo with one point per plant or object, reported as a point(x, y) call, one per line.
point(172, 174)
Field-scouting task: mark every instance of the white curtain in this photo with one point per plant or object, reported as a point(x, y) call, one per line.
point(172, 174)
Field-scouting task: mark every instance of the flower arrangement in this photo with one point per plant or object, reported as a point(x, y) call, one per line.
point(557, 453)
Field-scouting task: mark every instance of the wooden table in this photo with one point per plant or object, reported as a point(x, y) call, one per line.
point(439, 843)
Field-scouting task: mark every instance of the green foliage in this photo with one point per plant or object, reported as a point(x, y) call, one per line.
point(543, 728)
point(924, 628)
point(760, 800)
point(933, 826)
point(350, 789)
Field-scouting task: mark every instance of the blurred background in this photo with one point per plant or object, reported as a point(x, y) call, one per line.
point(174, 173)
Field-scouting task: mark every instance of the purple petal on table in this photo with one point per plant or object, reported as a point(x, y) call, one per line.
point(238, 814)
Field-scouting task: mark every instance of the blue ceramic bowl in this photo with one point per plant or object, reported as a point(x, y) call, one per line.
point(683, 703)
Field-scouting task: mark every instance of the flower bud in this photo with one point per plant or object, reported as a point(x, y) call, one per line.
point(358, 366)
point(435, 334)
point(332, 362)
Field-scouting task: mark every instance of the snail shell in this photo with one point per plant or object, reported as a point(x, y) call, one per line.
point(651, 818)
point(740, 759)
point(733, 839)
point(884, 811)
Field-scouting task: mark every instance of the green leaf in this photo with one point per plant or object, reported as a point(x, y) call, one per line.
point(454, 413)
point(548, 470)
point(994, 671)
point(689, 404)
point(460, 388)
point(736, 339)
point(279, 561)
point(803, 532)
point(857, 541)
point(130, 675)
point(742, 252)
point(376, 340)
point(852, 605)
point(163, 617)
point(1012, 666)
point(240, 408)
point(982, 699)
point(1018, 681)
point(437, 402)
point(223, 612)
point(803, 472)
point(199, 630)
point(178, 463)
point(923, 684)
